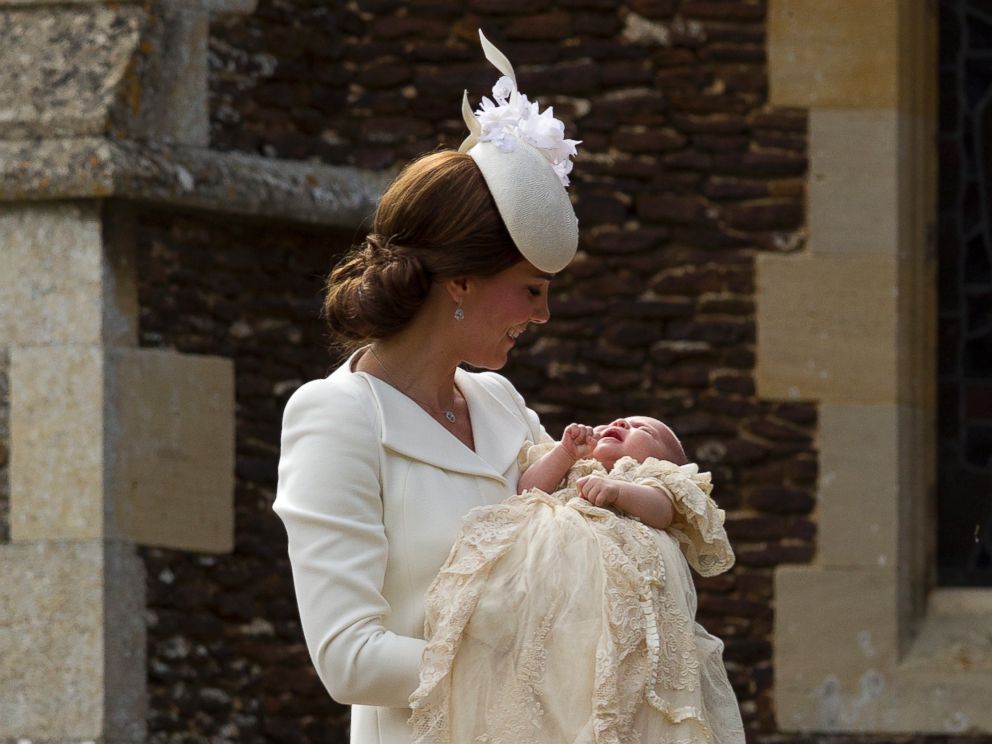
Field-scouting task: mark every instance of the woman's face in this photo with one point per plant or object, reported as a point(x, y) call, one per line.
point(498, 310)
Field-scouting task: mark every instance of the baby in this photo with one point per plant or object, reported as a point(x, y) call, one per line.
point(639, 437)
point(567, 612)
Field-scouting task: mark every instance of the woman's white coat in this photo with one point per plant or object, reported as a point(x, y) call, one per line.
point(372, 491)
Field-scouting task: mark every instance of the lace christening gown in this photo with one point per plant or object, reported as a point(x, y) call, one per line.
point(554, 620)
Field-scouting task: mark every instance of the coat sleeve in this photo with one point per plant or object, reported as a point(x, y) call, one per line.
point(329, 499)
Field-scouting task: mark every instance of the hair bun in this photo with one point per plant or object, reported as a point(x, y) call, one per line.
point(396, 269)
point(375, 290)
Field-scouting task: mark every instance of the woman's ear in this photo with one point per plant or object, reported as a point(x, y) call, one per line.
point(457, 288)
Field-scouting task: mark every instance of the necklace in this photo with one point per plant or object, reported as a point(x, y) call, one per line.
point(448, 413)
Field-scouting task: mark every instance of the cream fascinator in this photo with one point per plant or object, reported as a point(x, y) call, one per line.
point(524, 158)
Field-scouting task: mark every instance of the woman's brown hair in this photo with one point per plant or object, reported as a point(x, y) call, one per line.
point(437, 220)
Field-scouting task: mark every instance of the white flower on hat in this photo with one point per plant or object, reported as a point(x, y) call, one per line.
point(512, 114)
point(503, 89)
point(498, 122)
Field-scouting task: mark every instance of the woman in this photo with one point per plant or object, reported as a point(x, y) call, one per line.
point(381, 459)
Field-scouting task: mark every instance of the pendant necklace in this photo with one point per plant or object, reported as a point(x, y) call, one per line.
point(448, 413)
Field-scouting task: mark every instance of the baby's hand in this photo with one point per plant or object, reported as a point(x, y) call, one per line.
point(579, 440)
point(598, 490)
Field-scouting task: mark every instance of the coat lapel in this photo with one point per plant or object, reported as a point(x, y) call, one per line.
point(497, 428)
point(410, 431)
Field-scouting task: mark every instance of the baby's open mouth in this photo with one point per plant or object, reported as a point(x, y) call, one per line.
point(612, 433)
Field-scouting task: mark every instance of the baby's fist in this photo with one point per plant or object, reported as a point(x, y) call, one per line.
point(578, 440)
point(597, 490)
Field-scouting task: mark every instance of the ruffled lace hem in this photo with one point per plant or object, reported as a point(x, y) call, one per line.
point(698, 523)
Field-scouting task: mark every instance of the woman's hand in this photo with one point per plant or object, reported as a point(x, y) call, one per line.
point(579, 440)
point(598, 490)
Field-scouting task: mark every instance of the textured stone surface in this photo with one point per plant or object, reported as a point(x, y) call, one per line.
point(170, 449)
point(161, 472)
point(130, 69)
point(835, 632)
point(885, 82)
point(53, 274)
point(816, 314)
point(182, 176)
point(57, 458)
point(837, 668)
point(226, 656)
point(840, 55)
point(61, 68)
point(860, 477)
point(167, 91)
point(72, 642)
point(848, 212)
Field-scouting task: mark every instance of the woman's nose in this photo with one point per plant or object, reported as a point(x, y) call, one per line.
point(542, 312)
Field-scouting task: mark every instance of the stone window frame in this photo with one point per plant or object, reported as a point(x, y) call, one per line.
point(864, 642)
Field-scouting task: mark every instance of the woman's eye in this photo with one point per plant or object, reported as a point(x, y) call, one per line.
point(534, 291)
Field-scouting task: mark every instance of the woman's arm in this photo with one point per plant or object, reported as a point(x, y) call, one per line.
point(649, 504)
point(329, 501)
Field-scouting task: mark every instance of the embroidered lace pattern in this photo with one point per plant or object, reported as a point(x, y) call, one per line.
point(698, 522)
point(546, 600)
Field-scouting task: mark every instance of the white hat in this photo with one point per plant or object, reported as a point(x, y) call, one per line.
point(524, 158)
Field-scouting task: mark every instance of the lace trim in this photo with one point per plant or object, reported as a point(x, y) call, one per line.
point(698, 523)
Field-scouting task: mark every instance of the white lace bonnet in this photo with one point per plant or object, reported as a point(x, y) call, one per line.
point(524, 158)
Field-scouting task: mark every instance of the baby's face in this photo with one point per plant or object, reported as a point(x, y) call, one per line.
point(639, 437)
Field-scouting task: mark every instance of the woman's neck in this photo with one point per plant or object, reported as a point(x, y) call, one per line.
point(416, 364)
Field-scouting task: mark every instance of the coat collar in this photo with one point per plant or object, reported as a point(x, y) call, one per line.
point(409, 430)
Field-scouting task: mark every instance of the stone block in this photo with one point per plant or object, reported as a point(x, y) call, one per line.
point(61, 67)
point(859, 488)
point(170, 449)
point(853, 184)
point(56, 459)
point(842, 54)
point(72, 642)
point(171, 88)
point(826, 328)
point(133, 444)
point(837, 668)
point(89, 68)
point(948, 700)
point(835, 638)
point(52, 274)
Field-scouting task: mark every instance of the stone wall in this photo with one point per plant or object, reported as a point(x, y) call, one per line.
point(683, 175)
point(226, 658)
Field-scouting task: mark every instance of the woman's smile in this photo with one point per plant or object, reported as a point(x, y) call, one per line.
point(505, 304)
